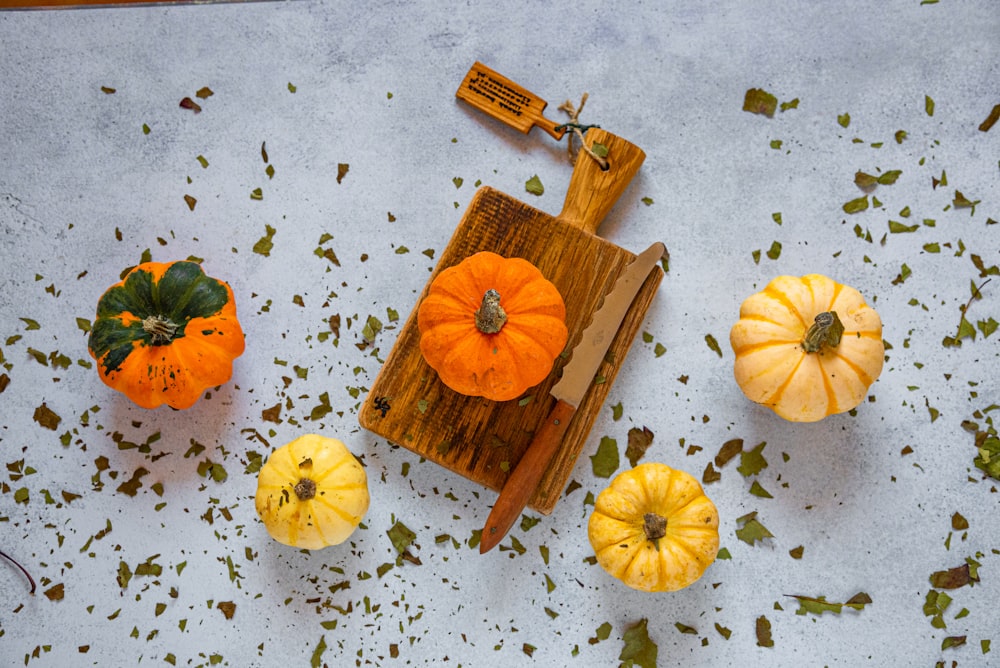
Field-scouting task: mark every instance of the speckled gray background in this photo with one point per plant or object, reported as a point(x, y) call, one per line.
point(84, 191)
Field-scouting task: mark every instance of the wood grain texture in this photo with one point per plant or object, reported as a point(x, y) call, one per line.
point(82, 4)
point(483, 440)
point(498, 97)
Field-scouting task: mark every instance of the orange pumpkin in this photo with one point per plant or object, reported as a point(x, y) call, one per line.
point(492, 326)
point(165, 333)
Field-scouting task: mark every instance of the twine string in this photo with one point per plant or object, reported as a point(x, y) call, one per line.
point(577, 130)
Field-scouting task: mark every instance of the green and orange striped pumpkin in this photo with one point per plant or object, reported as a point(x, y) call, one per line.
point(165, 333)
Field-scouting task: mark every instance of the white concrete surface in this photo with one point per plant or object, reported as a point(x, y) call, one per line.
point(84, 191)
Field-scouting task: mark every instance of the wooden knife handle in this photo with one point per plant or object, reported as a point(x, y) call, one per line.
point(523, 482)
point(593, 191)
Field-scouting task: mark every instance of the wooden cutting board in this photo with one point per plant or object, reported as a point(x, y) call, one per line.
point(483, 440)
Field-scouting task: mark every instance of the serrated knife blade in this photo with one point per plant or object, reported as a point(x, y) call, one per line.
point(569, 391)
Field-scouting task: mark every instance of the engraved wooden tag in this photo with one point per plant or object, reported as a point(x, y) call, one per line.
point(506, 101)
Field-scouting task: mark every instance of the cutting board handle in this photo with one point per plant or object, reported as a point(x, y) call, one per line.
point(593, 190)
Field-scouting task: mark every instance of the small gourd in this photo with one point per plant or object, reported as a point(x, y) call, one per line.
point(312, 492)
point(165, 333)
point(492, 326)
point(807, 347)
point(654, 529)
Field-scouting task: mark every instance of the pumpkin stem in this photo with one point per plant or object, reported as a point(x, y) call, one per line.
point(490, 316)
point(305, 489)
point(655, 527)
point(160, 330)
point(827, 329)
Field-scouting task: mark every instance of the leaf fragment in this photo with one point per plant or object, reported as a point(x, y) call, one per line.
point(401, 536)
point(534, 186)
point(228, 608)
point(605, 461)
point(991, 120)
point(818, 605)
point(713, 344)
point(728, 451)
point(750, 530)
point(752, 462)
point(188, 103)
point(856, 205)
point(639, 649)
point(46, 417)
point(759, 101)
point(639, 441)
point(762, 628)
point(953, 578)
point(265, 244)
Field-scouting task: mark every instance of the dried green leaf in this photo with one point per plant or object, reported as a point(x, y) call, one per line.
point(953, 578)
point(684, 628)
point(124, 575)
point(266, 242)
point(46, 417)
point(987, 326)
point(960, 201)
point(759, 101)
point(895, 227)
point(639, 441)
point(639, 649)
point(729, 449)
point(606, 460)
point(819, 605)
point(131, 486)
point(317, 656)
point(713, 344)
point(856, 205)
point(401, 536)
point(371, 329)
point(751, 530)
point(752, 462)
point(534, 185)
point(762, 628)
point(866, 182)
point(322, 409)
point(889, 177)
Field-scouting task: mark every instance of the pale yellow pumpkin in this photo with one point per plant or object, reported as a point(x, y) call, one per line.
point(312, 492)
point(807, 347)
point(654, 529)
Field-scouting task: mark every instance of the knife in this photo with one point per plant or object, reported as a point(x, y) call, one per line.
point(577, 376)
